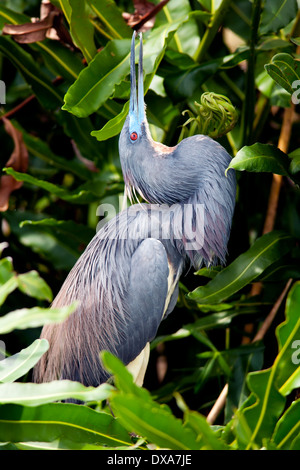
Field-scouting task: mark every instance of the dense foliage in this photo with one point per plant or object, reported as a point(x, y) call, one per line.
point(236, 329)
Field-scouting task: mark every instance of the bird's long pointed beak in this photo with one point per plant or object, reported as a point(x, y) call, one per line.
point(141, 105)
point(133, 97)
point(137, 107)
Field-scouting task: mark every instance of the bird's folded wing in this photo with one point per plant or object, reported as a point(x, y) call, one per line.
point(146, 297)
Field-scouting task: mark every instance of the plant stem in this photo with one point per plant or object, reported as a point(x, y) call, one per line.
point(249, 103)
point(283, 144)
point(211, 30)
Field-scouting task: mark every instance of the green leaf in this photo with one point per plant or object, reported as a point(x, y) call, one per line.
point(33, 317)
point(186, 39)
point(112, 127)
point(203, 431)
point(82, 30)
point(7, 288)
point(122, 377)
point(14, 367)
point(296, 41)
point(66, 422)
point(6, 270)
point(58, 246)
point(288, 369)
point(244, 359)
point(269, 387)
point(79, 196)
point(64, 6)
point(76, 234)
point(261, 158)
point(154, 422)
point(208, 272)
point(295, 162)
point(261, 417)
point(61, 60)
point(40, 149)
point(32, 284)
point(244, 269)
point(185, 84)
point(111, 17)
point(288, 428)
point(277, 14)
point(285, 71)
point(32, 394)
point(138, 412)
point(49, 96)
point(96, 83)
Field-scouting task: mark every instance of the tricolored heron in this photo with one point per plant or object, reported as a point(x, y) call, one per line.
point(126, 281)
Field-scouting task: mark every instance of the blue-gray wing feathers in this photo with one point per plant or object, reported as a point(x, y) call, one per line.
point(146, 296)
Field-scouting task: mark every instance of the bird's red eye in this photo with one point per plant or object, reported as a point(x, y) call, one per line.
point(133, 136)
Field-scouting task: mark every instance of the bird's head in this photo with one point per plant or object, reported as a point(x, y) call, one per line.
point(135, 136)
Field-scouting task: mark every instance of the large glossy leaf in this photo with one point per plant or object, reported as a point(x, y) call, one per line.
point(139, 413)
point(295, 162)
point(277, 14)
point(29, 283)
point(7, 288)
point(32, 394)
point(17, 365)
point(288, 429)
point(6, 270)
point(203, 431)
point(32, 284)
point(285, 71)
point(79, 196)
point(270, 386)
point(261, 158)
point(287, 368)
point(82, 30)
point(112, 127)
point(64, 6)
point(186, 39)
point(248, 266)
point(66, 422)
point(244, 359)
point(33, 317)
point(154, 422)
point(96, 83)
point(76, 234)
point(64, 444)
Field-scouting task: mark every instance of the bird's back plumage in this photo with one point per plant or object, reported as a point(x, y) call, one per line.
point(121, 283)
